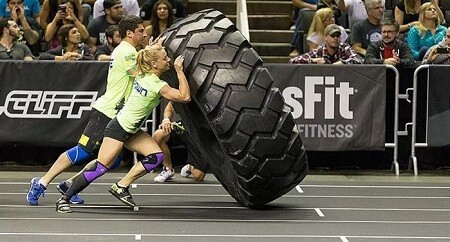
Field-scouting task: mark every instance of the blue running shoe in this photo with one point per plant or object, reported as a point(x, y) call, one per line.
point(35, 191)
point(63, 187)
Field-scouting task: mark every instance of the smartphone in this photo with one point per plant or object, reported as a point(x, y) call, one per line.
point(62, 7)
point(441, 50)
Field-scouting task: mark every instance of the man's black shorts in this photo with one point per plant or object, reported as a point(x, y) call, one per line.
point(92, 136)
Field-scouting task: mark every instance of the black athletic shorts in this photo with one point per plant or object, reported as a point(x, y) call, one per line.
point(115, 131)
point(92, 136)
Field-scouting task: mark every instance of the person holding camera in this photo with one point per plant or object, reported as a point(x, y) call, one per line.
point(389, 50)
point(28, 26)
point(65, 13)
point(440, 53)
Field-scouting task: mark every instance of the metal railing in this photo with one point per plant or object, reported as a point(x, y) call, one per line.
point(242, 18)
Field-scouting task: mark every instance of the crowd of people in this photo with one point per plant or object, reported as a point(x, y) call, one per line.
point(416, 30)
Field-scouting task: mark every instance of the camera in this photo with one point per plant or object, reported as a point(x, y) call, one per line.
point(62, 7)
point(442, 50)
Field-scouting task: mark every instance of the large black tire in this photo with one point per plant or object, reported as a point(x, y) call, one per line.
point(237, 118)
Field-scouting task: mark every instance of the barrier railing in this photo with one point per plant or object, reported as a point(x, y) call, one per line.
point(242, 18)
point(394, 145)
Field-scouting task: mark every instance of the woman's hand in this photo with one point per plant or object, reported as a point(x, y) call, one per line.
point(178, 63)
point(70, 15)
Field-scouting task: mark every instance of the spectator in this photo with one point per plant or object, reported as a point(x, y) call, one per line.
point(71, 47)
point(10, 48)
point(161, 19)
point(295, 42)
point(427, 32)
point(28, 25)
point(178, 8)
point(368, 31)
point(390, 50)
point(356, 10)
point(433, 56)
point(103, 53)
point(65, 13)
point(129, 7)
point(407, 13)
point(97, 27)
point(32, 9)
point(333, 5)
point(332, 52)
point(322, 18)
point(51, 7)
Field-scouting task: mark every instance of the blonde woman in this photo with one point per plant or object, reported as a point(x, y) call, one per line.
point(406, 13)
point(427, 32)
point(322, 18)
point(125, 128)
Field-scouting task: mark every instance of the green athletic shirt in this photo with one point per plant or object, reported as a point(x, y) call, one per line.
point(143, 99)
point(120, 80)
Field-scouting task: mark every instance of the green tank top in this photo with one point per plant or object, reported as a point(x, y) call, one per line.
point(143, 99)
point(120, 80)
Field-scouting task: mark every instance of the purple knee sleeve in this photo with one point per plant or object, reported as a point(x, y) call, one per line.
point(152, 161)
point(99, 170)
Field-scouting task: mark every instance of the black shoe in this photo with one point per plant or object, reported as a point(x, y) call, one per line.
point(63, 206)
point(122, 194)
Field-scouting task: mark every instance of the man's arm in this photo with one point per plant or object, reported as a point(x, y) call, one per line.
point(302, 4)
point(372, 55)
point(342, 5)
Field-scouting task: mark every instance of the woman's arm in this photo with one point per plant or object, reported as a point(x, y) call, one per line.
point(182, 94)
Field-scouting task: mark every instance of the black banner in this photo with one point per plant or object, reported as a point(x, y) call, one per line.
point(336, 108)
point(47, 103)
point(439, 106)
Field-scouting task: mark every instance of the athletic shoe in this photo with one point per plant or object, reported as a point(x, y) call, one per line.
point(165, 175)
point(35, 191)
point(186, 171)
point(122, 194)
point(63, 206)
point(62, 188)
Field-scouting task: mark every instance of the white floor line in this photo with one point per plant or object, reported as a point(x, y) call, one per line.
point(299, 189)
point(344, 239)
point(233, 236)
point(319, 212)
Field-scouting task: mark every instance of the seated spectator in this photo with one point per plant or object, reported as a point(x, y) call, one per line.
point(10, 48)
point(161, 19)
point(427, 32)
point(322, 18)
point(97, 27)
point(433, 56)
point(54, 16)
point(179, 10)
point(28, 26)
point(296, 41)
point(355, 8)
point(103, 52)
point(332, 52)
point(406, 13)
point(32, 9)
point(129, 7)
point(390, 50)
point(71, 47)
point(368, 31)
point(333, 5)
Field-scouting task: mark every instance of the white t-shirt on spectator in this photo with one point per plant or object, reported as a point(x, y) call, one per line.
point(130, 6)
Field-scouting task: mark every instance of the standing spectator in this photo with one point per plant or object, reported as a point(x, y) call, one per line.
point(356, 10)
point(71, 47)
point(162, 18)
point(28, 25)
point(332, 52)
point(97, 27)
point(322, 18)
point(390, 50)
point(129, 7)
point(296, 41)
point(10, 49)
point(103, 52)
point(32, 9)
point(433, 56)
point(427, 32)
point(178, 8)
point(65, 13)
point(368, 31)
point(51, 7)
point(407, 13)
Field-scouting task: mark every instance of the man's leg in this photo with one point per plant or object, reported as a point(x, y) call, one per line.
point(161, 137)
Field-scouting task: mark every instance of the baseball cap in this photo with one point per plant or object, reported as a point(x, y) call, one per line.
point(332, 29)
point(110, 3)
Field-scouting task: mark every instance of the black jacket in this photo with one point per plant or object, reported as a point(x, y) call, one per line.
point(375, 50)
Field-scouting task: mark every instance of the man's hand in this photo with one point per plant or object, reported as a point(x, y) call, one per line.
point(166, 125)
point(158, 40)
